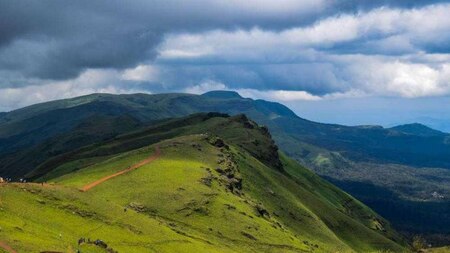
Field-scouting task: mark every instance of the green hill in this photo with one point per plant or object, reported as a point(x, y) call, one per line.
point(219, 185)
point(407, 167)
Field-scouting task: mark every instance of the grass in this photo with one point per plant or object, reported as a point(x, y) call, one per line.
point(439, 250)
point(197, 197)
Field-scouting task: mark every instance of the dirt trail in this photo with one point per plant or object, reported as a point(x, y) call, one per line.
point(133, 167)
point(6, 247)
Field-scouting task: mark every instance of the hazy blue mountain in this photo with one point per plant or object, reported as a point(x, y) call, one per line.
point(418, 129)
point(442, 124)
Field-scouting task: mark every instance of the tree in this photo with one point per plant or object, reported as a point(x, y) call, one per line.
point(418, 242)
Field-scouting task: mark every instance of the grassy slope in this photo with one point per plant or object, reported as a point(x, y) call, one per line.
point(170, 208)
point(332, 151)
point(439, 250)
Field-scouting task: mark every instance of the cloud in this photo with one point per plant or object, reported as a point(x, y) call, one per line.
point(381, 52)
point(206, 86)
point(272, 95)
point(411, 30)
point(278, 95)
point(402, 79)
point(141, 73)
point(91, 81)
point(60, 39)
point(287, 50)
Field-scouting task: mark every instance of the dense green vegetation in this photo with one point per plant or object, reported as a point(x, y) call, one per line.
point(220, 185)
point(399, 160)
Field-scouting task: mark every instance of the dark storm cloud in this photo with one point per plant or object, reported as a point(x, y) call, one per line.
point(59, 39)
point(56, 40)
point(317, 78)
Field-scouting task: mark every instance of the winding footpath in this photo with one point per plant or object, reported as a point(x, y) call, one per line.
point(155, 156)
point(87, 187)
point(6, 247)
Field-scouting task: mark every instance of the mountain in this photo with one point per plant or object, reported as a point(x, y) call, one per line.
point(367, 161)
point(220, 94)
point(203, 183)
point(418, 129)
point(442, 123)
point(33, 124)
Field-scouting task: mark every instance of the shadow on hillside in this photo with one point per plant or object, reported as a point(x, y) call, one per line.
point(432, 219)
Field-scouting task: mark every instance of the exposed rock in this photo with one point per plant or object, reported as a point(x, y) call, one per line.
point(197, 146)
point(249, 236)
point(217, 142)
point(141, 208)
point(207, 180)
point(230, 207)
point(261, 211)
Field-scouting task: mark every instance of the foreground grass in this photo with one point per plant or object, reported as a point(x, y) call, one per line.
point(195, 198)
point(438, 250)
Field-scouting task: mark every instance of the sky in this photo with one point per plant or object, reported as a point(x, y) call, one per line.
point(349, 62)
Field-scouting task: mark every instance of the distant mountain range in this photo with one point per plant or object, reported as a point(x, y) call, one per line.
point(418, 129)
point(441, 124)
point(357, 159)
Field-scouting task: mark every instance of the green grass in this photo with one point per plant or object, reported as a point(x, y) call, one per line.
point(182, 202)
point(439, 250)
point(355, 157)
point(176, 211)
point(33, 219)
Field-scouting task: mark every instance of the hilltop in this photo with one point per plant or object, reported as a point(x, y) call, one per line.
point(216, 184)
point(418, 129)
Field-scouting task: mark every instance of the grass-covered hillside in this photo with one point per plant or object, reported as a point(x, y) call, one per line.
point(213, 184)
point(408, 163)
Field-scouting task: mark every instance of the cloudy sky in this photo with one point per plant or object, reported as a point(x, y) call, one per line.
point(350, 62)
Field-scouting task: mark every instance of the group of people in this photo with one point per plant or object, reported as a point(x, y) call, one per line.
point(4, 180)
point(8, 180)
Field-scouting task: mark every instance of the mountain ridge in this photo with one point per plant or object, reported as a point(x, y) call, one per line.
point(216, 184)
point(418, 129)
point(341, 152)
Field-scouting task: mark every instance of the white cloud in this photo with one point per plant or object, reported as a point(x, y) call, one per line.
point(274, 95)
point(140, 73)
point(91, 81)
point(206, 86)
point(406, 28)
point(385, 55)
point(397, 78)
point(278, 95)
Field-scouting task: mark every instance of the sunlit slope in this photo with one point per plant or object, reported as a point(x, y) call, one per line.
point(34, 219)
point(375, 164)
point(213, 189)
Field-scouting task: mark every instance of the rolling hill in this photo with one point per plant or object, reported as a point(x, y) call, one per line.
point(411, 164)
point(418, 129)
point(208, 183)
